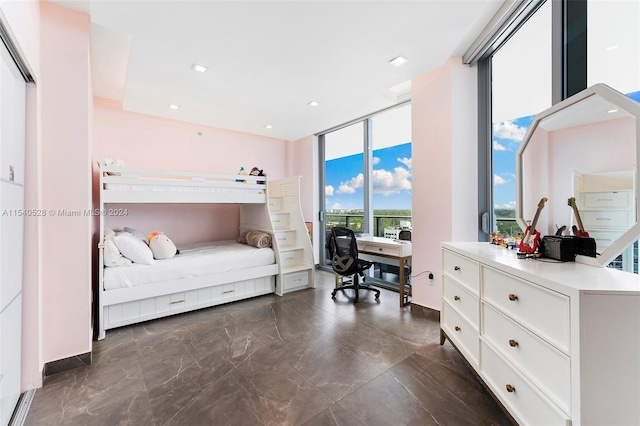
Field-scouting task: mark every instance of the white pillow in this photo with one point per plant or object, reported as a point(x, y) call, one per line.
point(133, 248)
point(112, 256)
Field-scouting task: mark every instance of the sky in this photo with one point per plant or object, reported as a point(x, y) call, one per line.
point(391, 180)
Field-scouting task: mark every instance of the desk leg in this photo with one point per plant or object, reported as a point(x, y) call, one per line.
point(401, 282)
point(404, 262)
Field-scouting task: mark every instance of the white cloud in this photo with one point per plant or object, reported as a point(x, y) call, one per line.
point(508, 130)
point(376, 160)
point(328, 190)
point(510, 205)
point(498, 147)
point(386, 182)
point(406, 161)
point(499, 180)
point(351, 186)
point(336, 206)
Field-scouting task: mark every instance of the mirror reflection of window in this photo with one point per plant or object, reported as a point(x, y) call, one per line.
point(521, 87)
point(613, 58)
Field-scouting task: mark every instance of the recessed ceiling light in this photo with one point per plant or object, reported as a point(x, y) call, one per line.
point(313, 103)
point(611, 111)
point(614, 47)
point(199, 68)
point(400, 60)
point(172, 106)
point(268, 126)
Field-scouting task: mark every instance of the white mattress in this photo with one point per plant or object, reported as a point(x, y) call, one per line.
point(194, 260)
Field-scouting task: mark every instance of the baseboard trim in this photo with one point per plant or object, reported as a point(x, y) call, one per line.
point(66, 364)
point(22, 409)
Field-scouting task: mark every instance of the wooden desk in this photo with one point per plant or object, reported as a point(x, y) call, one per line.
point(389, 252)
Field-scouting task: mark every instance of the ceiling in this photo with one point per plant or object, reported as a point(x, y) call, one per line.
point(268, 59)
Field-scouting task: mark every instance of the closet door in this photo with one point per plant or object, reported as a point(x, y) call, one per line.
point(12, 165)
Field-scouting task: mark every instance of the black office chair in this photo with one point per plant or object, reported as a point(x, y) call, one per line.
point(343, 252)
point(404, 235)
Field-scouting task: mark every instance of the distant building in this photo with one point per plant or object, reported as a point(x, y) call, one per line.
point(394, 231)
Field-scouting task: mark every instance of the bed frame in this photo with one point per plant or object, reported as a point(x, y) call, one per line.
point(120, 307)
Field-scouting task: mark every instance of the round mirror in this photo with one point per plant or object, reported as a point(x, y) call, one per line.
point(582, 155)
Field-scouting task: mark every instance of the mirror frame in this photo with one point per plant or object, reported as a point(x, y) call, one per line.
point(621, 101)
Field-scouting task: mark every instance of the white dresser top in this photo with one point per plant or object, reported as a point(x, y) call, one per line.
point(567, 277)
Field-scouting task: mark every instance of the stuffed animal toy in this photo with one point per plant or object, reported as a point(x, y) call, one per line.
point(161, 246)
point(257, 172)
point(242, 172)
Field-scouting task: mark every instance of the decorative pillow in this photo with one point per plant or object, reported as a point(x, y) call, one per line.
point(135, 233)
point(161, 246)
point(109, 233)
point(258, 239)
point(133, 248)
point(111, 254)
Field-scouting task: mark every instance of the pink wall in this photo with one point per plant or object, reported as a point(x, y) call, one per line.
point(151, 142)
point(304, 157)
point(444, 206)
point(66, 182)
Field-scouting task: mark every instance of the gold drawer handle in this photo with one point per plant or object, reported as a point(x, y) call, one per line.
point(510, 388)
point(513, 297)
point(456, 297)
point(513, 343)
point(177, 301)
point(457, 328)
point(456, 268)
point(228, 291)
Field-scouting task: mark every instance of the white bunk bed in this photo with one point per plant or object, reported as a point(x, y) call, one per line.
point(124, 304)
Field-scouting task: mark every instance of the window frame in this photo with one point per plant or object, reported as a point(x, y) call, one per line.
point(569, 76)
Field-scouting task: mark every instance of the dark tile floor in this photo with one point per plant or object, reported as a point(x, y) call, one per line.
point(301, 359)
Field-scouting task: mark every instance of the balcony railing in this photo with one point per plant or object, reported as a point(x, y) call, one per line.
point(356, 221)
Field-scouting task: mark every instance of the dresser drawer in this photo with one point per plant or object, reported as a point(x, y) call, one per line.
point(465, 303)
point(606, 219)
point(280, 221)
point(463, 335)
point(463, 270)
point(545, 365)
point(621, 199)
point(544, 312)
point(285, 239)
point(524, 401)
point(604, 238)
point(295, 281)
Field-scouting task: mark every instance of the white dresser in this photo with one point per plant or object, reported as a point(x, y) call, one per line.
point(556, 343)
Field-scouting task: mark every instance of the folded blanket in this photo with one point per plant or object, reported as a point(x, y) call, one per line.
point(258, 239)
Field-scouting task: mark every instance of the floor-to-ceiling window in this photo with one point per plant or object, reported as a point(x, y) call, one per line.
point(391, 172)
point(367, 175)
point(521, 87)
point(344, 177)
